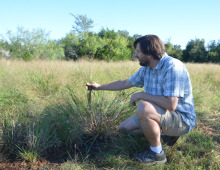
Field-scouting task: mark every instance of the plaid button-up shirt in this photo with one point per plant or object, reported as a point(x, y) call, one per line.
point(169, 78)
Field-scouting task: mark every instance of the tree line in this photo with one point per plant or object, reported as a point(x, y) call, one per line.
point(105, 45)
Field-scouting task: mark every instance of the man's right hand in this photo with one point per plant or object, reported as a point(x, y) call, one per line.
point(94, 86)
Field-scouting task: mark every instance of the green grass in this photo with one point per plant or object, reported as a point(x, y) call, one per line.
point(46, 113)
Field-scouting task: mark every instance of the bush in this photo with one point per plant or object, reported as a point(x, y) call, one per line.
point(33, 44)
point(195, 51)
point(106, 45)
point(71, 46)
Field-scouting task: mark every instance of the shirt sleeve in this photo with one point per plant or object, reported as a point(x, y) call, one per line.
point(174, 82)
point(138, 78)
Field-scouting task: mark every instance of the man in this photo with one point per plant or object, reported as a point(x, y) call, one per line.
point(167, 104)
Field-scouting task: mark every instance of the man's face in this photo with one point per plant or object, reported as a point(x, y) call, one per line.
point(144, 60)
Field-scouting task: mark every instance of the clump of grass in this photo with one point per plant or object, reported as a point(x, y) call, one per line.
point(12, 135)
point(27, 155)
point(21, 139)
point(98, 114)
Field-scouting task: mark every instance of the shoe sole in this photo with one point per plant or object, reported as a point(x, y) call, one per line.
point(153, 162)
point(161, 162)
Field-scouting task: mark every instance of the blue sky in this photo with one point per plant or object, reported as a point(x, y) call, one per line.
point(176, 20)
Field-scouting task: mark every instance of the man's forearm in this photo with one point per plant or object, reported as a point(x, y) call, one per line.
point(117, 85)
point(168, 103)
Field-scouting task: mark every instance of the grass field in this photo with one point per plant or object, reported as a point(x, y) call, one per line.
point(49, 121)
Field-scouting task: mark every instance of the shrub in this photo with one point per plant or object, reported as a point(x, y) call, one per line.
point(33, 44)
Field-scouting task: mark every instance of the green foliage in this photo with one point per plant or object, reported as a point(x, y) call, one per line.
point(123, 33)
point(108, 34)
point(33, 44)
point(106, 45)
point(49, 51)
point(174, 50)
point(214, 52)
point(71, 45)
point(195, 51)
point(115, 48)
point(82, 23)
point(89, 44)
point(4, 49)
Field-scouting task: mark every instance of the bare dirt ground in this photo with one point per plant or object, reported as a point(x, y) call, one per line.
point(22, 165)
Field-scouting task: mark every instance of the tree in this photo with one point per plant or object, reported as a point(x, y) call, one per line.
point(168, 47)
point(82, 24)
point(174, 50)
point(177, 52)
point(195, 51)
point(114, 46)
point(123, 33)
point(109, 34)
point(33, 44)
point(23, 43)
point(214, 51)
point(71, 45)
point(136, 36)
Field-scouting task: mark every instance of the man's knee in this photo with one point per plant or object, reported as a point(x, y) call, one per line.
point(129, 124)
point(123, 127)
point(144, 110)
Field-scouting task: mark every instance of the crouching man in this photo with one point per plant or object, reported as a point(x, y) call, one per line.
point(166, 106)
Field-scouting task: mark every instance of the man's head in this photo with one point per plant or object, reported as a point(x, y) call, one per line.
point(150, 45)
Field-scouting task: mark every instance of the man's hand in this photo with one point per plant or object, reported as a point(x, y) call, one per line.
point(94, 86)
point(136, 97)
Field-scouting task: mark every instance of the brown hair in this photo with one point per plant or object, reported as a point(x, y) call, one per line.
point(151, 45)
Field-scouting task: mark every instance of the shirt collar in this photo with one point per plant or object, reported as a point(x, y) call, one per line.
point(160, 63)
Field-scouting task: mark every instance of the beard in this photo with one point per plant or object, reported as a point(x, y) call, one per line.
point(144, 62)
